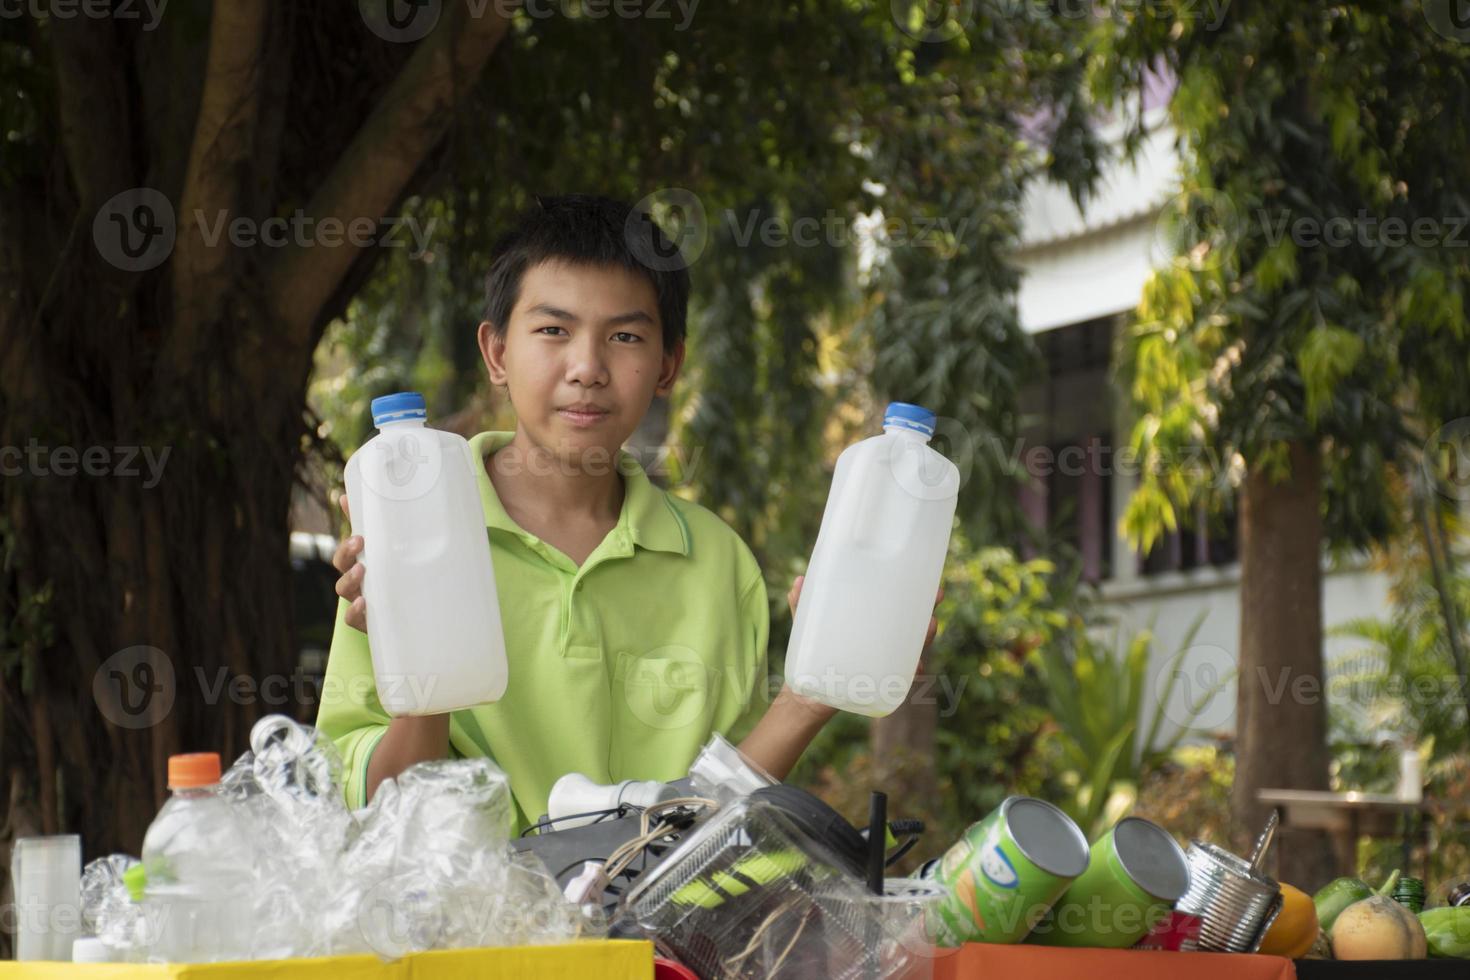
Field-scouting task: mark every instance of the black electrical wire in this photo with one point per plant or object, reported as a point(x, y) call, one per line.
point(601, 815)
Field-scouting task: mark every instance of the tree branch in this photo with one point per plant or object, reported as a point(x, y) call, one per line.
point(223, 140)
point(376, 168)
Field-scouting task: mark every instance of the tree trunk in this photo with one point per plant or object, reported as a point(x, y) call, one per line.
point(152, 419)
point(1281, 712)
point(903, 745)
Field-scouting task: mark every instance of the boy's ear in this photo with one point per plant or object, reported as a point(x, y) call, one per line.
point(492, 350)
point(669, 370)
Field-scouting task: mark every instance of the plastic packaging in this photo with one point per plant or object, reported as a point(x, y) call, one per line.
point(200, 864)
point(427, 865)
point(751, 895)
point(875, 569)
point(722, 773)
point(47, 873)
point(109, 910)
point(90, 949)
point(433, 621)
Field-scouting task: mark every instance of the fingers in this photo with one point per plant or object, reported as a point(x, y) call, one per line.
point(344, 559)
point(357, 614)
point(343, 501)
point(795, 594)
point(349, 585)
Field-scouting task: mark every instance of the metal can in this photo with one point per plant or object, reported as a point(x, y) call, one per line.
point(1136, 874)
point(1007, 870)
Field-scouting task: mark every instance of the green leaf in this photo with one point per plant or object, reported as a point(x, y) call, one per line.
point(1325, 358)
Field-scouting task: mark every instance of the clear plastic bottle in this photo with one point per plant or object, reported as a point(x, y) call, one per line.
point(432, 614)
point(879, 556)
point(200, 863)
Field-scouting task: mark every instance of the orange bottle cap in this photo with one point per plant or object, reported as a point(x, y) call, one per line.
point(193, 769)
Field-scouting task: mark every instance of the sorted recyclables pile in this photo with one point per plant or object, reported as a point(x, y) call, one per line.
point(427, 865)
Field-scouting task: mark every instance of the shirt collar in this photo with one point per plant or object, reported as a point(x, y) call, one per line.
point(648, 515)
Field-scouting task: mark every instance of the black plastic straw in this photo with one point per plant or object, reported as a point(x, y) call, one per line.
point(877, 840)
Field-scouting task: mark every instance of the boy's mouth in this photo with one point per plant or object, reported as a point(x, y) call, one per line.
point(582, 415)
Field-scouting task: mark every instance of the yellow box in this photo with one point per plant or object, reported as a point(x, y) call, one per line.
point(617, 959)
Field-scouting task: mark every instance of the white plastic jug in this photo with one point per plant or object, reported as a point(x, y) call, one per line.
point(432, 613)
point(869, 589)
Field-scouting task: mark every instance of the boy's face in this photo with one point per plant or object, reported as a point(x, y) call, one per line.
point(582, 357)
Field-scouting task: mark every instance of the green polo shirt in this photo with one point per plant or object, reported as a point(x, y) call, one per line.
point(619, 669)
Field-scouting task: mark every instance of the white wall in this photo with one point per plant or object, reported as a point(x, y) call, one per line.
point(1173, 600)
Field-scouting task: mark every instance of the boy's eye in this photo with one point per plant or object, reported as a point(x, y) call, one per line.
point(544, 329)
point(627, 338)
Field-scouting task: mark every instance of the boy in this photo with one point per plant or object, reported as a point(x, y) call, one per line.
point(635, 622)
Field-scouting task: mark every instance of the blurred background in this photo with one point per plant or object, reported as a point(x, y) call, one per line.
point(1184, 279)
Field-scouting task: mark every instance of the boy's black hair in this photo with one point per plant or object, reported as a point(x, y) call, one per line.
point(583, 229)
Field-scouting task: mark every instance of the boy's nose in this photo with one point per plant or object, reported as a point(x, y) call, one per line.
point(586, 364)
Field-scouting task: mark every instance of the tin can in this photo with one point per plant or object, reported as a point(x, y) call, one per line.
point(1236, 903)
point(1006, 871)
point(1135, 875)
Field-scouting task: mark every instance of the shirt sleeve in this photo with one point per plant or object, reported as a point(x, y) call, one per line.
point(755, 620)
point(350, 713)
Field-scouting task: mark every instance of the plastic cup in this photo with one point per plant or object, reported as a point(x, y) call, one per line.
point(1135, 875)
point(47, 872)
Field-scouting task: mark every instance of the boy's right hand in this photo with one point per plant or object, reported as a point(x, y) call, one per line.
point(349, 586)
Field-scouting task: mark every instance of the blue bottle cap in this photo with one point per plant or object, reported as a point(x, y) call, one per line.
point(907, 416)
point(398, 407)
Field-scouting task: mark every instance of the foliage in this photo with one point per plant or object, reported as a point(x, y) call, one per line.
point(1189, 793)
point(1110, 737)
point(996, 609)
point(1404, 678)
point(1290, 312)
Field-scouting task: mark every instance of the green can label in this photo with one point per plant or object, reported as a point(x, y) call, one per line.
point(995, 893)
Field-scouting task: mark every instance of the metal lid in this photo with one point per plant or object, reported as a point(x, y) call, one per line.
point(1048, 838)
point(1237, 866)
point(1152, 858)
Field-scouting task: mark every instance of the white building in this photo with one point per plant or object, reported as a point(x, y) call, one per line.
point(1083, 275)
